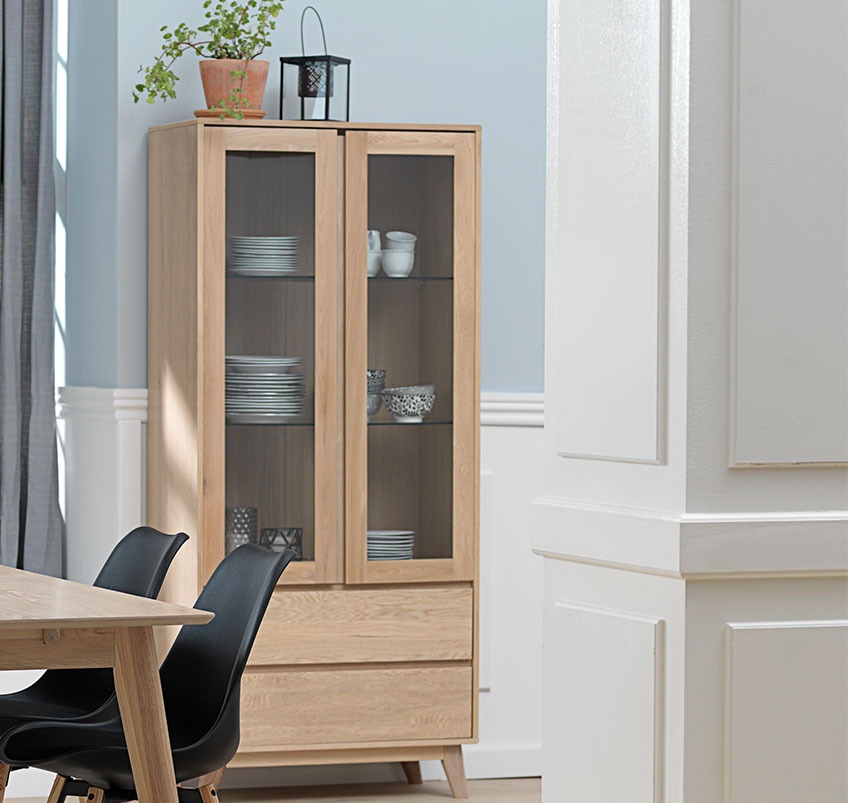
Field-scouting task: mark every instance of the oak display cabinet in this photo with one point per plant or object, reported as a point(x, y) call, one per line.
point(358, 659)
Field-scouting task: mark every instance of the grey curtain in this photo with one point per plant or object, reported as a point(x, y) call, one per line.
point(30, 521)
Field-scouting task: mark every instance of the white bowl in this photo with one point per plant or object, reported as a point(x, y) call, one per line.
point(374, 260)
point(398, 264)
point(400, 241)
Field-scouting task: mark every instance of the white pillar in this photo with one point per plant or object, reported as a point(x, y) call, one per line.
point(694, 518)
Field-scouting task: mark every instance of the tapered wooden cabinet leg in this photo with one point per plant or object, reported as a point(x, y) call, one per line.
point(208, 793)
point(455, 770)
point(95, 795)
point(56, 792)
point(412, 770)
point(4, 780)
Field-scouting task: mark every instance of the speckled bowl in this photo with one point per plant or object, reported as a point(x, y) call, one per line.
point(374, 402)
point(409, 405)
point(376, 379)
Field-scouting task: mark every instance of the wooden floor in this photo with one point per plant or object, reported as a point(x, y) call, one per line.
point(511, 790)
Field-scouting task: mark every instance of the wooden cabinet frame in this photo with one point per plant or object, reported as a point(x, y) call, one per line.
point(399, 607)
point(462, 565)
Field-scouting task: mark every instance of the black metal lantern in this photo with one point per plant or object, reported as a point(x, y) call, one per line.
point(319, 87)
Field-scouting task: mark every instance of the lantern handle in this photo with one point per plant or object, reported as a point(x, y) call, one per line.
point(320, 22)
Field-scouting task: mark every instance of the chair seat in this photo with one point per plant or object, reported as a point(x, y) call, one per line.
point(97, 751)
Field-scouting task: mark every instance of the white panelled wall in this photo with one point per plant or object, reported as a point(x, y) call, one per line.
point(105, 471)
point(694, 517)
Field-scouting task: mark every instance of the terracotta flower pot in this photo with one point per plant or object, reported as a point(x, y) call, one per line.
point(218, 83)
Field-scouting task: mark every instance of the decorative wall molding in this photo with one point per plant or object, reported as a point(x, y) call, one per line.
point(780, 672)
point(512, 410)
point(608, 304)
point(788, 260)
point(130, 404)
point(621, 669)
point(104, 404)
point(693, 545)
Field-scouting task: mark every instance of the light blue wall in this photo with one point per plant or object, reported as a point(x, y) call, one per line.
point(91, 279)
point(439, 61)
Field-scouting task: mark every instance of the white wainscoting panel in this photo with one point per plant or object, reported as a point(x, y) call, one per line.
point(607, 228)
point(105, 474)
point(791, 232)
point(604, 669)
point(786, 712)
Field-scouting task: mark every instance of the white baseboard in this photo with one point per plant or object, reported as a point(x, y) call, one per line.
point(503, 760)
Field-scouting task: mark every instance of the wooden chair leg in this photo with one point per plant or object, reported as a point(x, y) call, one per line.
point(56, 791)
point(211, 778)
point(208, 793)
point(95, 795)
point(455, 770)
point(412, 770)
point(5, 769)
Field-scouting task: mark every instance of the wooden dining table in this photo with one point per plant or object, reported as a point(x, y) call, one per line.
point(47, 623)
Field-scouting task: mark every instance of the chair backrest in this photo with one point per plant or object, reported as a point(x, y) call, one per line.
point(137, 565)
point(139, 562)
point(201, 675)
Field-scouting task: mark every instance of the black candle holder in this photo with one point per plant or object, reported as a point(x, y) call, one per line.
point(322, 86)
point(279, 539)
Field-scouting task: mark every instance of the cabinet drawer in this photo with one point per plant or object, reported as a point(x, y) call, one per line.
point(348, 626)
point(291, 710)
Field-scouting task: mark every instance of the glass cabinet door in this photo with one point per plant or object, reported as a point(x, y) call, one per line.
point(275, 364)
point(411, 391)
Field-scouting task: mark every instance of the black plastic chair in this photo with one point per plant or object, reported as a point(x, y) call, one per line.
point(137, 565)
point(201, 684)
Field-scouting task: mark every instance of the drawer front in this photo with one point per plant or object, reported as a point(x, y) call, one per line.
point(293, 710)
point(349, 626)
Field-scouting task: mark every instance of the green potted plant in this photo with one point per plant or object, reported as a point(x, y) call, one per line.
point(235, 33)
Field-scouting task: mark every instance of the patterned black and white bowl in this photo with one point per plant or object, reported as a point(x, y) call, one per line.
point(409, 405)
point(374, 401)
point(376, 379)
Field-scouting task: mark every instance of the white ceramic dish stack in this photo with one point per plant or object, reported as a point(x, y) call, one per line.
point(398, 257)
point(263, 390)
point(262, 256)
point(391, 544)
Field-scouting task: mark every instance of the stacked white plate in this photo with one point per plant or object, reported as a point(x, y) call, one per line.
point(391, 544)
point(262, 256)
point(263, 390)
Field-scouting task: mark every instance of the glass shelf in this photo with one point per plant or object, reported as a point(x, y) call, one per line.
point(424, 423)
point(282, 278)
point(271, 424)
point(410, 279)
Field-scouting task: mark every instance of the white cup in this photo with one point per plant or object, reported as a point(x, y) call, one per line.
point(374, 243)
point(374, 261)
point(400, 241)
point(398, 264)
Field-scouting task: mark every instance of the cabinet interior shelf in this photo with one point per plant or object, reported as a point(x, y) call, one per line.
point(409, 279)
point(389, 279)
point(271, 424)
point(276, 277)
point(425, 423)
